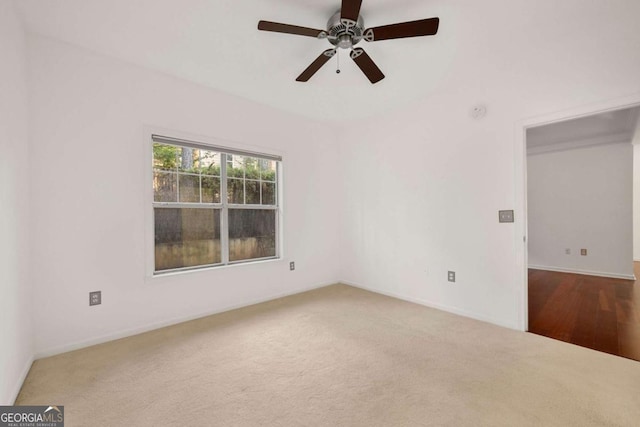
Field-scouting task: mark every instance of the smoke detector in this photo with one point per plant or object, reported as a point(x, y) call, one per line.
point(478, 112)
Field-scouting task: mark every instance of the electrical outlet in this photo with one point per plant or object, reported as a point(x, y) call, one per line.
point(583, 252)
point(567, 251)
point(451, 276)
point(292, 265)
point(95, 298)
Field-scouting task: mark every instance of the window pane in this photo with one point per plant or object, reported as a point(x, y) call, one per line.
point(164, 187)
point(267, 170)
point(252, 234)
point(165, 156)
point(235, 166)
point(209, 162)
point(235, 191)
point(189, 188)
point(186, 237)
point(253, 192)
point(268, 193)
point(251, 167)
point(187, 157)
point(210, 189)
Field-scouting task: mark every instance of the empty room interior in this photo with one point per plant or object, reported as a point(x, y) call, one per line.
point(330, 212)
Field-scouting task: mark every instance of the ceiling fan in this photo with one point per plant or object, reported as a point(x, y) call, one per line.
point(346, 29)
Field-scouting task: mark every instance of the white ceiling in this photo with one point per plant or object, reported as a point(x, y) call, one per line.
point(217, 44)
point(609, 127)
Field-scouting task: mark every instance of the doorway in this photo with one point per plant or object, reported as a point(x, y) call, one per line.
point(579, 254)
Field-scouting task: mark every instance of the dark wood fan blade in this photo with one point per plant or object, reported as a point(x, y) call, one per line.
point(316, 65)
point(366, 64)
point(290, 29)
point(422, 27)
point(350, 10)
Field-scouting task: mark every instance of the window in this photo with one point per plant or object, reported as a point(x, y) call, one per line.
point(212, 206)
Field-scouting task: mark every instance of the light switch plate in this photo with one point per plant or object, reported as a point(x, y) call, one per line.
point(505, 216)
point(583, 252)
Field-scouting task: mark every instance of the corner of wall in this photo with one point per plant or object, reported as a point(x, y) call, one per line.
point(16, 328)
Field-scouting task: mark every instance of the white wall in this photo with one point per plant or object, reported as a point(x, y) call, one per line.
point(636, 202)
point(88, 174)
point(420, 187)
point(424, 190)
point(425, 183)
point(582, 198)
point(16, 332)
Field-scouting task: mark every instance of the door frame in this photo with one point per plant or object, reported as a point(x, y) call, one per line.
point(520, 151)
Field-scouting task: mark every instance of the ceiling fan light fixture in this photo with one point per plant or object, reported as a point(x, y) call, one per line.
point(345, 41)
point(345, 29)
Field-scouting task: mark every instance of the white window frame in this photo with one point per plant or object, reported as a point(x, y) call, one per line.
point(223, 206)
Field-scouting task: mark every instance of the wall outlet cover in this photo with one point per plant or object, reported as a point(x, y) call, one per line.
point(583, 252)
point(95, 298)
point(451, 276)
point(292, 265)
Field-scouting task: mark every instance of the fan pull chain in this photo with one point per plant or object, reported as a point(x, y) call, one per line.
point(338, 55)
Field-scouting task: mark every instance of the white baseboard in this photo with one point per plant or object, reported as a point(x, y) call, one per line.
point(21, 379)
point(157, 325)
point(426, 303)
point(585, 272)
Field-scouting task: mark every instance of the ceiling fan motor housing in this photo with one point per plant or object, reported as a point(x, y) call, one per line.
point(344, 33)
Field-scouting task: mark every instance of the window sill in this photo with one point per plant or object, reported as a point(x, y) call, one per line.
point(213, 268)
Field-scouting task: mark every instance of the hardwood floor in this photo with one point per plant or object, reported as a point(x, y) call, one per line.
point(594, 312)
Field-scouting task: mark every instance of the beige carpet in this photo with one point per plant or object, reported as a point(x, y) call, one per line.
point(337, 356)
